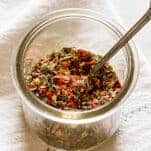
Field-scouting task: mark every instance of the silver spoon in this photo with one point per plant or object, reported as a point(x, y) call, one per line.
point(130, 34)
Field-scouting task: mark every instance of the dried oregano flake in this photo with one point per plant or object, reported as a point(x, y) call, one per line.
point(62, 80)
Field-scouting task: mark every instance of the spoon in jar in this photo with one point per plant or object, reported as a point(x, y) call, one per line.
point(125, 38)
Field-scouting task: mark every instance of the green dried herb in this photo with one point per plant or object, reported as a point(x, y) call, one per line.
point(64, 80)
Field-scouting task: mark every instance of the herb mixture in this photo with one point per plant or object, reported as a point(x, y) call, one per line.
point(61, 80)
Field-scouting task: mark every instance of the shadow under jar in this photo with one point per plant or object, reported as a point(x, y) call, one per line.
point(74, 130)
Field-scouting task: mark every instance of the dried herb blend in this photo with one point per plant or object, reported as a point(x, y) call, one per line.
point(61, 80)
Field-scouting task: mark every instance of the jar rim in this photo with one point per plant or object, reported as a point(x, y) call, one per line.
point(72, 116)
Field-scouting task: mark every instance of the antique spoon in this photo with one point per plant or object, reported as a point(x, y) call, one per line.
point(125, 38)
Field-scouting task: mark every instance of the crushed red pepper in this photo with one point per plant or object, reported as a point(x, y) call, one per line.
point(61, 80)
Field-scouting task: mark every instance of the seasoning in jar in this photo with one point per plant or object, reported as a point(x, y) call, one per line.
point(62, 80)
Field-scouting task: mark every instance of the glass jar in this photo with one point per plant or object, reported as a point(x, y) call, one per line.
point(82, 28)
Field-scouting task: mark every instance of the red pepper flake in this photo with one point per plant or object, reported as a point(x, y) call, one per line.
point(64, 64)
point(62, 87)
point(48, 93)
point(62, 80)
point(43, 91)
point(73, 104)
point(83, 53)
point(49, 101)
point(31, 86)
point(117, 84)
point(74, 79)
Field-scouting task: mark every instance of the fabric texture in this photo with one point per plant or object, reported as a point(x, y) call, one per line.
point(16, 18)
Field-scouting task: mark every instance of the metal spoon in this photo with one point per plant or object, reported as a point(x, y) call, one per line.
point(133, 30)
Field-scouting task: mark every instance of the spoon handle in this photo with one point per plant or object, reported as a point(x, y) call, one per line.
point(133, 30)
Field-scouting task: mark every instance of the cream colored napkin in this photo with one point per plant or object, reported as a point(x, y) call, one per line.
point(16, 18)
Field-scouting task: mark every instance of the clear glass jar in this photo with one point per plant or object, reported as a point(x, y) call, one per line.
point(83, 28)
